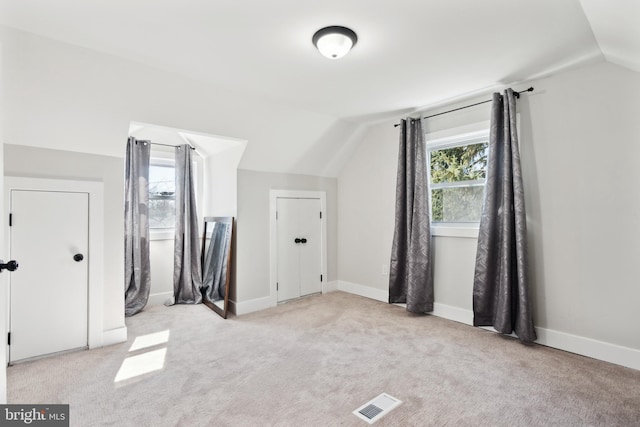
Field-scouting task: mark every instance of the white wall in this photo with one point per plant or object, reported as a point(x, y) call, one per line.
point(580, 141)
point(43, 163)
point(252, 268)
point(161, 269)
point(221, 176)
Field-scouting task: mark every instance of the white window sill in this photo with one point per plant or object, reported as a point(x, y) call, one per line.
point(469, 231)
point(161, 234)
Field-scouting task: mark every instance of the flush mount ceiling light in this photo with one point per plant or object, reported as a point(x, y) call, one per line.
point(334, 42)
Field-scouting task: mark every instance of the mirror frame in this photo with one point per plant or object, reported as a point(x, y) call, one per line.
point(225, 220)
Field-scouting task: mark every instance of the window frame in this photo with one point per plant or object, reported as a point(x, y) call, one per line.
point(160, 155)
point(168, 232)
point(454, 139)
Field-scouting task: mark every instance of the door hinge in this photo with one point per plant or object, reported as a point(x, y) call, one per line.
point(321, 215)
point(321, 277)
point(9, 338)
point(10, 219)
point(276, 215)
point(277, 286)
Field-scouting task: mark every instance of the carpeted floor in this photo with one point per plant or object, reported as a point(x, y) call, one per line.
point(311, 362)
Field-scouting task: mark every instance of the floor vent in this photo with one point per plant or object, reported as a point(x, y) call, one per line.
point(377, 408)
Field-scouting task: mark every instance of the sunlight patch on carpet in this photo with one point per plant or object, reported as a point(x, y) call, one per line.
point(377, 408)
point(150, 340)
point(141, 364)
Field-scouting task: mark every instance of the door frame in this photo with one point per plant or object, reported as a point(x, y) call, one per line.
point(95, 259)
point(274, 195)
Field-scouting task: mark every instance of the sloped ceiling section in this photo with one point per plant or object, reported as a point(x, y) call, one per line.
point(409, 53)
point(247, 69)
point(616, 26)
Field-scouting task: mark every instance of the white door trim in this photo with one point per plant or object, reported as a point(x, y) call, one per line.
point(274, 195)
point(96, 238)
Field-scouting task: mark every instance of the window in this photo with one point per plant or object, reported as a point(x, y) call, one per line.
point(458, 170)
point(162, 194)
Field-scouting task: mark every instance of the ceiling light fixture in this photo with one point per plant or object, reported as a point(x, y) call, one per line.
point(334, 42)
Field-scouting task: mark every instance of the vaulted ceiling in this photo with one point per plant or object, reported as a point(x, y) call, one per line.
point(410, 54)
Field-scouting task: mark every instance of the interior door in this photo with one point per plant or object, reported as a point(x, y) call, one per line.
point(288, 254)
point(4, 279)
point(299, 247)
point(48, 294)
point(310, 257)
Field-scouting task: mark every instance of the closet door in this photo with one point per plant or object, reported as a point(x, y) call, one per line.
point(288, 253)
point(310, 258)
point(299, 247)
point(49, 292)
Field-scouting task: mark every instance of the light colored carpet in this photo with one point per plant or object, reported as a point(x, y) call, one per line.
point(313, 361)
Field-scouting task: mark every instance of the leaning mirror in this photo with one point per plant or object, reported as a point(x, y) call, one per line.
point(216, 263)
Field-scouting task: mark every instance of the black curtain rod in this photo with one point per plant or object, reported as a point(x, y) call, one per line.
point(164, 145)
point(517, 94)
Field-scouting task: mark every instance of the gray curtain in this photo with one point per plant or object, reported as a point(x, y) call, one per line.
point(187, 272)
point(216, 260)
point(411, 271)
point(501, 282)
point(136, 227)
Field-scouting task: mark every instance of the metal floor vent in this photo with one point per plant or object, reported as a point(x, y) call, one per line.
point(377, 408)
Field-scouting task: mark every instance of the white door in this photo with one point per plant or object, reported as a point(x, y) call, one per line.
point(49, 235)
point(299, 247)
point(4, 281)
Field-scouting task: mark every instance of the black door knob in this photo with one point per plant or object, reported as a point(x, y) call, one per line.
point(297, 240)
point(11, 265)
point(303, 240)
point(78, 257)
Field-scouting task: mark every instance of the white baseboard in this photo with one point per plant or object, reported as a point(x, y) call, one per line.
point(595, 349)
point(364, 291)
point(600, 350)
point(245, 307)
point(114, 336)
point(329, 286)
point(159, 298)
point(450, 312)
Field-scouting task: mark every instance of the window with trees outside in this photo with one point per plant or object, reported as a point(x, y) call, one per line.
point(162, 194)
point(458, 170)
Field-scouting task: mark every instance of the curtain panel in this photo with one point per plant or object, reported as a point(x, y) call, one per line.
point(411, 269)
point(501, 281)
point(187, 266)
point(136, 227)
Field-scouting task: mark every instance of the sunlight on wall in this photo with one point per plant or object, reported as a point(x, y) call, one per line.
point(144, 362)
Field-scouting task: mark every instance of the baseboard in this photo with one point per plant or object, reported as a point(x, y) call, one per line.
point(595, 349)
point(364, 291)
point(159, 298)
point(114, 336)
point(600, 350)
point(450, 312)
point(330, 286)
point(244, 307)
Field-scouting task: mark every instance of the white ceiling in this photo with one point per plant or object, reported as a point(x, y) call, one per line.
point(410, 53)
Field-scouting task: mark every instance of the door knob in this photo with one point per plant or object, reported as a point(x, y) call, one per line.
point(78, 257)
point(303, 240)
point(297, 240)
point(11, 265)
